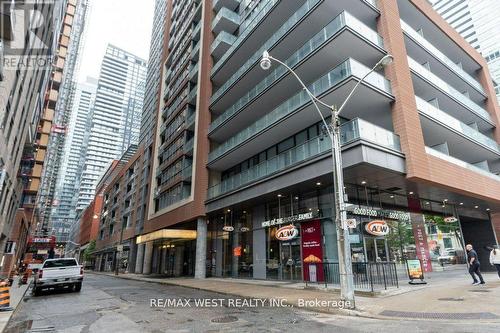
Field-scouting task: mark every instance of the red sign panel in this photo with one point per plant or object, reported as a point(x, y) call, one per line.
point(312, 251)
point(418, 226)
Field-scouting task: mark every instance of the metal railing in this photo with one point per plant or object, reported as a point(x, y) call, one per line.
point(368, 276)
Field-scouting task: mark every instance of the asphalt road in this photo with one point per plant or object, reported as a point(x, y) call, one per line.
point(107, 304)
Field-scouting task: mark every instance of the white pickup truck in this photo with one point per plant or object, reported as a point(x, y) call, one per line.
point(59, 273)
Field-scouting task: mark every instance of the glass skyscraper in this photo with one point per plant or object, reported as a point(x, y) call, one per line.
point(116, 116)
point(478, 21)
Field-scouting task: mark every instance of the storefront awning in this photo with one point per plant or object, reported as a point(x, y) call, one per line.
point(167, 234)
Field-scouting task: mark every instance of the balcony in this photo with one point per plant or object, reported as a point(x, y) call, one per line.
point(461, 163)
point(190, 122)
point(328, 47)
point(463, 141)
point(193, 73)
point(189, 146)
point(428, 86)
point(221, 44)
point(297, 113)
point(225, 20)
point(356, 130)
point(197, 32)
point(195, 52)
point(271, 16)
point(448, 69)
point(231, 4)
point(192, 96)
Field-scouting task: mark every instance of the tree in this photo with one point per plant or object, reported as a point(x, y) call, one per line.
point(87, 254)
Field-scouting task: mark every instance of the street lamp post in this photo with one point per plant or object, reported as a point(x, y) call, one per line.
point(343, 244)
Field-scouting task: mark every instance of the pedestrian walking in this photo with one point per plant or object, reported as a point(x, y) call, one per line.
point(473, 261)
point(495, 259)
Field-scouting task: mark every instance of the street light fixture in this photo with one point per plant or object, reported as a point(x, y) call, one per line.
point(344, 246)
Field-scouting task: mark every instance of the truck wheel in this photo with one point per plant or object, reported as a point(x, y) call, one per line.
point(78, 286)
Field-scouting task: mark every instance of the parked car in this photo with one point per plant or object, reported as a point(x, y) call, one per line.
point(58, 273)
point(450, 256)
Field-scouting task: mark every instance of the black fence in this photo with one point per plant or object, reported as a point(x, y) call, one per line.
point(367, 276)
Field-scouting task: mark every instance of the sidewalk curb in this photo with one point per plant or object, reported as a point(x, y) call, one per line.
point(17, 307)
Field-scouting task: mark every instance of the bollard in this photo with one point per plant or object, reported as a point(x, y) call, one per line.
point(5, 297)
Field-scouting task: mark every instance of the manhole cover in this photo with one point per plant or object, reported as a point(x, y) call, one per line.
point(451, 299)
point(480, 291)
point(224, 320)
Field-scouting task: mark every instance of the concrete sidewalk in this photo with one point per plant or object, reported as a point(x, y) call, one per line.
point(17, 293)
point(448, 297)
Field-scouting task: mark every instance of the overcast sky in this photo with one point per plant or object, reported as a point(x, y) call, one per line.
point(123, 23)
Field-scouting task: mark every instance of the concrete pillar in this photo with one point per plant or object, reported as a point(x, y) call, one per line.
point(201, 249)
point(179, 261)
point(259, 243)
point(139, 259)
point(148, 258)
point(132, 254)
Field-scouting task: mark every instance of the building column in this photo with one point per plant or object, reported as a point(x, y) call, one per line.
point(148, 258)
point(139, 259)
point(259, 250)
point(201, 249)
point(132, 255)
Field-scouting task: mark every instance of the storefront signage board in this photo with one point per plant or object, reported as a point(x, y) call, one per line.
point(386, 214)
point(377, 228)
point(287, 232)
point(312, 251)
point(228, 228)
point(415, 271)
point(290, 219)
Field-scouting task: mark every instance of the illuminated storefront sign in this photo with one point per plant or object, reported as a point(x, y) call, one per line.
point(287, 232)
point(290, 219)
point(228, 228)
point(386, 214)
point(377, 228)
point(167, 233)
point(312, 251)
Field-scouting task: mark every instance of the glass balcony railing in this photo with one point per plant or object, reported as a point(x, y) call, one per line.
point(195, 52)
point(440, 56)
point(449, 90)
point(193, 71)
point(245, 32)
point(222, 37)
point(449, 121)
point(228, 14)
point(192, 95)
point(461, 163)
point(342, 20)
point(354, 130)
point(343, 71)
point(275, 38)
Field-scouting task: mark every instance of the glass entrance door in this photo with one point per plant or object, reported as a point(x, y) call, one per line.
point(291, 263)
point(376, 249)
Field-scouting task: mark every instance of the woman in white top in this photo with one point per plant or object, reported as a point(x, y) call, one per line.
point(495, 259)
